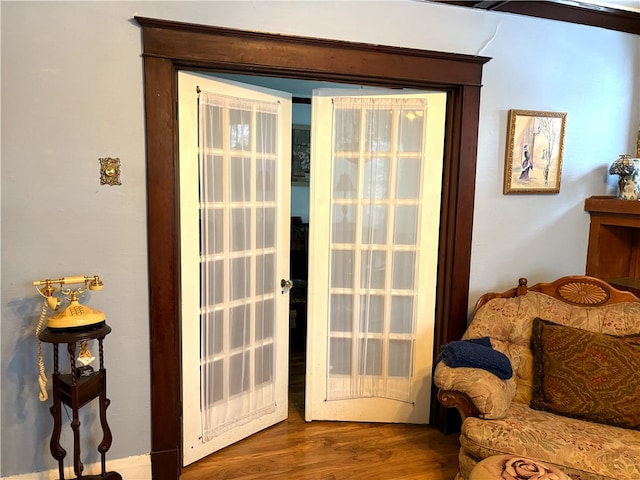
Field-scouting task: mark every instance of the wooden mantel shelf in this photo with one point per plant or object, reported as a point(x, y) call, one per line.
point(613, 253)
point(611, 205)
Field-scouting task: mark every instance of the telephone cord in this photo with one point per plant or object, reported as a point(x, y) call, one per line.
point(42, 377)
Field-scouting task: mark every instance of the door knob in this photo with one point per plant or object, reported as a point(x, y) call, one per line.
point(286, 285)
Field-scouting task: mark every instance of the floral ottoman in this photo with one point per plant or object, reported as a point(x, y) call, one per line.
point(507, 467)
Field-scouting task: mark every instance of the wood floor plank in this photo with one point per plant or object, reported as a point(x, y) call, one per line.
point(295, 449)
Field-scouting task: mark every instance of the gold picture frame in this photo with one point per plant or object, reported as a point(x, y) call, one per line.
point(533, 158)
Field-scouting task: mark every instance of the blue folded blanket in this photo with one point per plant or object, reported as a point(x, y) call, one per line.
point(476, 353)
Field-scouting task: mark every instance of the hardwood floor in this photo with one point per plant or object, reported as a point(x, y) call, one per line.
point(295, 449)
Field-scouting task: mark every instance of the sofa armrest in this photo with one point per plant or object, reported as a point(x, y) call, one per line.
point(461, 401)
point(482, 393)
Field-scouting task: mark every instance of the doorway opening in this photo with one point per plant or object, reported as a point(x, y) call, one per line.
point(301, 92)
point(380, 167)
point(171, 46)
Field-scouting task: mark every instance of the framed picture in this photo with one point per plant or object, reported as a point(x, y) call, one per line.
point(533, 159)
point(300, 153)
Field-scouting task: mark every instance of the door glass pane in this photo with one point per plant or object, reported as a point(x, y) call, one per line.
point(266, 180)
point(240, 179)
point(343, 226)
point(239, 365)
point(341, 313)
point(264, 364)
point(347, 130)
point(406, 225)
point(265, 319)
point(214, 376)
point(213, 325)
point(239, 279)
point(213, 272)
point(401, 314)
point(403, 270)
point(240, 228)
point(265, 227)
point(376, 178)
point(239, 130)
point(265, 273)
point(400, 355)
point(266, 132)
point(374, 224)
point(212, 188)
point(372, 313)
point(214, 236)
point(372, 354)
point(239, 330)
point(408, 179)
point(379, 130)
point(342, 268)
point(340, 356)
point(213, 134)
point(345, 178)
point(411, 130)
point(373, 269)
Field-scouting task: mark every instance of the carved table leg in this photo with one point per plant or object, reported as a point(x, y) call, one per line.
point(105, 444)
point(75, 407)
point(56, 411)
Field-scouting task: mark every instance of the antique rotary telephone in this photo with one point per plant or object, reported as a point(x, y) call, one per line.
point(75, 317)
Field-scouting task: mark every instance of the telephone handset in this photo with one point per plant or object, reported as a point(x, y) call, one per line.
point(75, 317)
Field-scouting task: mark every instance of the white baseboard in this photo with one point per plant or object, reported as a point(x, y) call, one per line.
point(131, 468)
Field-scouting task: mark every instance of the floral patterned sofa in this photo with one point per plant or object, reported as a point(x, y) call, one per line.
point(565, 340)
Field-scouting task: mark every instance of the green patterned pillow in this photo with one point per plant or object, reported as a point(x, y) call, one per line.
point(586, 375)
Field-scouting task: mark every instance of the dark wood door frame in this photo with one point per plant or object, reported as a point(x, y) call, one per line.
point(171, 46)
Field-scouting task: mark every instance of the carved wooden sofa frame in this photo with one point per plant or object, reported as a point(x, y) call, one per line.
point(576, 291)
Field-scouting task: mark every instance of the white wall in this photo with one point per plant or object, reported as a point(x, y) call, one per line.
point(72, 92)
point(573, 69)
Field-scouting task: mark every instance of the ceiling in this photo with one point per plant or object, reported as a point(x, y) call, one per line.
point(620, 15)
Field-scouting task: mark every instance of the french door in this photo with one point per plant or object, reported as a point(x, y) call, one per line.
point(235, 143)
point(376, 179)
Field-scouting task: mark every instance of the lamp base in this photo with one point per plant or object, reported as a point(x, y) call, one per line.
point(629, 187)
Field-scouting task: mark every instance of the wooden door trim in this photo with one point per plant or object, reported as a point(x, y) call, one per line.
point(172, 46)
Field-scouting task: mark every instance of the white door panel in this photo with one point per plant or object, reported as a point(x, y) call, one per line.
point(235, 143)
point(376, 173)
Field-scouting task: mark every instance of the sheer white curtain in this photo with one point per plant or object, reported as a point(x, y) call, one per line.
point(377, 161)
point(238, 160)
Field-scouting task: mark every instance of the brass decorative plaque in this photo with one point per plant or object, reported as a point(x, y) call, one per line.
point(110, 171)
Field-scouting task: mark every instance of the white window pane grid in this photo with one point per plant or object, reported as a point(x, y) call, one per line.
point(374, 237)
point(238, 259)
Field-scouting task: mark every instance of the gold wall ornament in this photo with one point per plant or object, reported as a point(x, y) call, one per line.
point(110, 171)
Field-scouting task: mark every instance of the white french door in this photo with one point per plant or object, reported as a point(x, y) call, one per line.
point(376, 174)
point(235, 143)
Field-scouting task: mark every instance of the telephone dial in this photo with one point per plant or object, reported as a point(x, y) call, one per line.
point(73, 318)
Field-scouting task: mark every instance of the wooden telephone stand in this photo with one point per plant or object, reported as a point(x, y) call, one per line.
point(75, 392)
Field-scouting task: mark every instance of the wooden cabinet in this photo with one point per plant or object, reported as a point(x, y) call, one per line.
point(614, 241)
